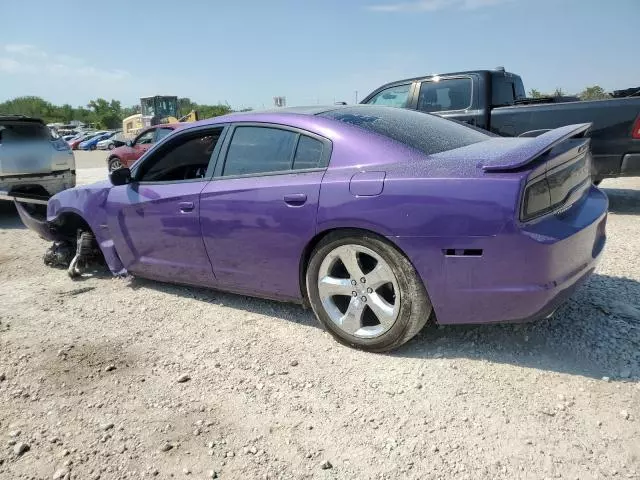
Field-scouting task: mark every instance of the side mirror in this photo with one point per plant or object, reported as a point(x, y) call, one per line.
point(121, 176)
point(129, 143)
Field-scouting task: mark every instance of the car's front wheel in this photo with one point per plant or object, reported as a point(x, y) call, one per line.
point(365, 292)
point(114, 164)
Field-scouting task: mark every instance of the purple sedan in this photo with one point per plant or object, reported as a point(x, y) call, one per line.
point(378, 218)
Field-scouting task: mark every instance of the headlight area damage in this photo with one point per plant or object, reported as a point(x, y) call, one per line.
point(80, 239)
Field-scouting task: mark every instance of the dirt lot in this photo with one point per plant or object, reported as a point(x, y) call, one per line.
point(126, 378)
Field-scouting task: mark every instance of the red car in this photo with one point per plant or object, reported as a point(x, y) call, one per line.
point(126, 155)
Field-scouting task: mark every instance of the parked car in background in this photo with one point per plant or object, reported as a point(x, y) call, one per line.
point(112, 142)
point(32, 161)
point(379, 218)
point(74, 142)
point(91, 143)
point(126, 155)
point(495, 100)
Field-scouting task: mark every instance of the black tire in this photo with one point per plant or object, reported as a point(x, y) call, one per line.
point(92, 147)
point(415, 306)
point(111, 146)
point(114, 164)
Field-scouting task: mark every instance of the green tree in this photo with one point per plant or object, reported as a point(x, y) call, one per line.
point(533, 93)
point(67, 113)
point(594, 92)
point(559, 92)
point(128, 111)
point(108, 114)
point(32, 107)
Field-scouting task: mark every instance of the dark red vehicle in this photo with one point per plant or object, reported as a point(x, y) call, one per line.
point(126, 155)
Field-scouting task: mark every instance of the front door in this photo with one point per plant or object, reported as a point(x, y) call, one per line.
point(259, 212)
point(140, 145)
point(154, 220)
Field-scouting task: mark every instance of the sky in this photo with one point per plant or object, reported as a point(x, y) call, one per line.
point(245, 52)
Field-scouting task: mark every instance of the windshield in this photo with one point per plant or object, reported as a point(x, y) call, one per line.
point(159, 107)
point(14, 132)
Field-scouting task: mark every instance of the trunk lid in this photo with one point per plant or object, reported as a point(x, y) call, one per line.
point(529, 149)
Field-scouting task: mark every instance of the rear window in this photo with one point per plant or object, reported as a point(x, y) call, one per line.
point(15, 132)
point(427, 133)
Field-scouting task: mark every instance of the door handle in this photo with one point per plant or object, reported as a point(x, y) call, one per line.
point(186, 207)
point(295, 199)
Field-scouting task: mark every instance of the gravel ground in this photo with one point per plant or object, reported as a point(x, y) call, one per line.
point(126, 378)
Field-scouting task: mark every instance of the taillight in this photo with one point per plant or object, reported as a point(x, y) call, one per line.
point(635, 133)
point(556, 188)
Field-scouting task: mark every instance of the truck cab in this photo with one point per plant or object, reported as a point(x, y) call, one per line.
point(495, 100)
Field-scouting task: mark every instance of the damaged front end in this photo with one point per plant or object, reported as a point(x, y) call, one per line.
point(61, 220)
point(74, 252)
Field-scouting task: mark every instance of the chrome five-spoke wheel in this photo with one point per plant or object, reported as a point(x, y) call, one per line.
point(359, 291)
point(365, 291)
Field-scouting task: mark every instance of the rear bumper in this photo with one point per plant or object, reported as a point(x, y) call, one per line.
point(53, 183)
point(523, 274)
point(612, 166)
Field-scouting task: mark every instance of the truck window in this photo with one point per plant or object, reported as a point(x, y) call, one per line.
point(506, 90)
point(392, 97)
point(445, 94)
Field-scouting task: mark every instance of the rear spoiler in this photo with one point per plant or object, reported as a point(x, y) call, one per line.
point(532, 148)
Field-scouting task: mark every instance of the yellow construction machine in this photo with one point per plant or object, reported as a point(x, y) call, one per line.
point(154, 111)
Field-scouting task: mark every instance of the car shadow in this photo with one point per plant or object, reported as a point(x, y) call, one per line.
point(9, 218)
point(287, 311)
point(623, 201)
point(594, 334)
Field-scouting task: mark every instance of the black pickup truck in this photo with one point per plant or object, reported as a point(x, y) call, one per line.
point(495, 100)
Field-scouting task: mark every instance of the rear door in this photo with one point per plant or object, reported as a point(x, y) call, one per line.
point(154, 220)
point(259, 212)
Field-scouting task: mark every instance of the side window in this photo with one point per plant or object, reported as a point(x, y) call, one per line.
point(146, 138)
point(503, 92)
point(447, 94)
point(308, 153)
point(259, 150)
point(185, 158)
point(392, 97)
point(162, 132)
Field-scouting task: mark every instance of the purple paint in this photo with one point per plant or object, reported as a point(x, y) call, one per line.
point(252, 234)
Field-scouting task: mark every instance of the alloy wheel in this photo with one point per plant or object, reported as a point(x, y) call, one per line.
point(359, 291)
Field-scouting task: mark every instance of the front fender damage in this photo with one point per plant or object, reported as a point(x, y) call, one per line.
point(65, 228)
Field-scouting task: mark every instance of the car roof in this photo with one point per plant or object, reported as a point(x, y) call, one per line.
point(257, 115)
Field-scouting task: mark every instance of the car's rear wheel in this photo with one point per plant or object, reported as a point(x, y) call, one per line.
point(114, 164)
point(111, 146)
point(365, 292)
point(92, 147)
